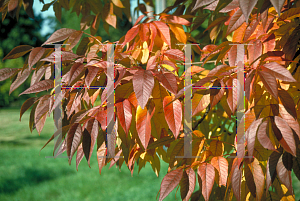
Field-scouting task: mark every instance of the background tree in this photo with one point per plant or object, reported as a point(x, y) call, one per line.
point(149, 94)
point(25, 31)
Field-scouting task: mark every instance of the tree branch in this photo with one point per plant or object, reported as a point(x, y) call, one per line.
point(202, 118)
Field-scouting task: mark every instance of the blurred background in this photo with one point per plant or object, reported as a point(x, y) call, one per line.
point(26, 173)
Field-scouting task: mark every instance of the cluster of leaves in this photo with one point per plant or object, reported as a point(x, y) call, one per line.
point(149, 96)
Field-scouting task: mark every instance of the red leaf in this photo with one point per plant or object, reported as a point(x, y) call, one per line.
point(143, 123)
point(249, 84)
point(271, 168)
point(27, 104)
point(207, 173)
point(233, 94)
point(59, 35)
point(288, 102)
point(290, 120)
point(131, 34)
point(199, 103)
point(254, 51)
point(232, 5)
point(151, 64)
point(93, 129)
point(221, 165)
point(144, 32)
point(153, 35)
point(250, 29)
point(40, 124)
point(278, 71)
point(287, 134)
point(21, 78)
point(277, 5)
point(79, 155)
point(259, 178)
point(101, 154)
point(232, 54)
point(173, 114)
point(236, 179)
point(217, 93)
point(42, 108)
point(12, 5)
point(18, 52)
point(6, 73)
point(38, 87)
point(168, 80)
point(75, 71)
point(92, 72)
point(169, 182)
point(65, 56)
point(139, 19)
point(86, 144)
point(165, 32)
point(35, 55)
point(262, 136)
point(73, 140)
point(236, 21)
point(201, 3)
point(251, 134)
point(270, 83)
point(192, 182)
point(175, 54)
point(124, 114)
point(284, 175)
point(143, 83)
point(177, 20)
point(74, 39)
point(37, 75)
point(247, 7)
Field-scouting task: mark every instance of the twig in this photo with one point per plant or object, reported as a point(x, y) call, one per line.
point(202, 118)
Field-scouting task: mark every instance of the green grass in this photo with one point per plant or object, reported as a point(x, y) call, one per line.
point(26, 173)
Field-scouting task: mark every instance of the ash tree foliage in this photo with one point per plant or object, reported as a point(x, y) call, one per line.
point(149, 92)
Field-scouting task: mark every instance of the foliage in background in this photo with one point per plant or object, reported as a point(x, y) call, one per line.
point(149, 94)
point(14, 33)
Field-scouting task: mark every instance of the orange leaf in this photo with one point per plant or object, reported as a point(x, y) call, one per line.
point(236, 179)
point(262, 136)
point(173, 114)
point(287, 134)
point(221, 165)
point(199, 103)
point(143, 83)
point(207, 174)
point(35, 55)
point(124, 114)
point(165, 32)
point(143, 123)
point(278, 71)
point(269, 82)
point(251, 135)
point(169, 182)
point(235, 21)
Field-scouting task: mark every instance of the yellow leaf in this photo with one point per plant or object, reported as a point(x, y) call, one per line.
point(179, 33)
point(170, 68)
point(118, 3)
point(216, 148)
point(145, 53)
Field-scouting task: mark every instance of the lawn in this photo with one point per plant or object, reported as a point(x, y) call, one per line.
point(26, 173)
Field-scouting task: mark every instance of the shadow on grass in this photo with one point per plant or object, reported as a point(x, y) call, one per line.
point(32, 177)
